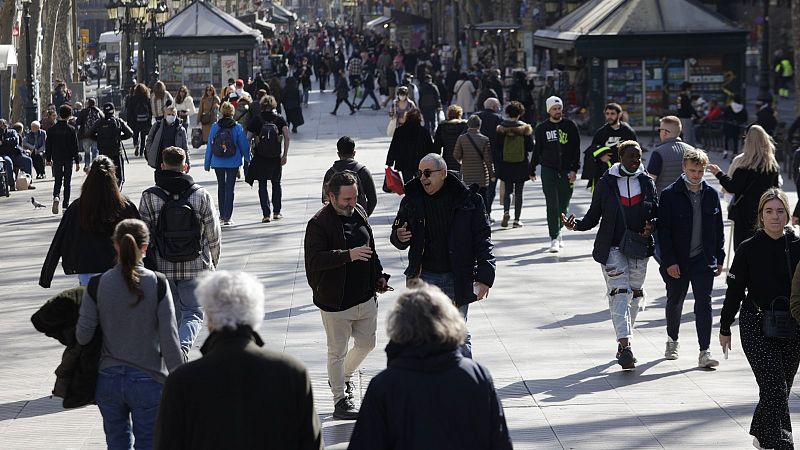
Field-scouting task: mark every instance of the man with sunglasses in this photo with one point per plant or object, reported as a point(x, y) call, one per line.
point(444, 225)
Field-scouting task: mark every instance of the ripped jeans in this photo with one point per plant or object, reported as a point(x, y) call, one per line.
point(624, 279)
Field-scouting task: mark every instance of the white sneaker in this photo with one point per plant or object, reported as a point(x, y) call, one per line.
point(671, 353)
point(554, 246)
point(706, 361)
point(56, 202)
point(560, 241)
point(725, 155)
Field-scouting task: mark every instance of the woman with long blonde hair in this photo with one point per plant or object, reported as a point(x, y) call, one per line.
point(751, 174)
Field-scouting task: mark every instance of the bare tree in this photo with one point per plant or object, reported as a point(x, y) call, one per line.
point(6, 17)
point(18, 108)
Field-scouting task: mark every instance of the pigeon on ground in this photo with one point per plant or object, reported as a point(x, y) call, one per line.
point(36, 205)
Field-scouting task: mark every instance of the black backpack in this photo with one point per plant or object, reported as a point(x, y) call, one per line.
point(108, 138)
point(268, 142)
point(223, 144)
point(92, 117)
point(142, 113)
point(178, 232)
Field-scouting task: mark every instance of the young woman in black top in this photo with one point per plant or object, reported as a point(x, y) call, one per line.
point(762, 270)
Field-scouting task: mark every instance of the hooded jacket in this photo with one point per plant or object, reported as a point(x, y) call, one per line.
point(242, 146)
point(327, 255)
point(154, 146)
point(367, 197)
point(514, 172)
point(398, 411)
point(641, 205)
point(469, 238)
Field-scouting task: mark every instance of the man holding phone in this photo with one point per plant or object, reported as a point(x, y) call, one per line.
point(444, 225)
point(345, 275)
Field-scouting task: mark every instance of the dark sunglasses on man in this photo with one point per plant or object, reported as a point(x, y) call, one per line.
point(427, 172)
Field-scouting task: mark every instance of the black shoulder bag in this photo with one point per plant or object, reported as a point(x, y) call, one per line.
point(779, 323)
point(633, 245)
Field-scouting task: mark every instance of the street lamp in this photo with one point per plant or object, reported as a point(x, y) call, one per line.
point(158, 14)
point(32, 103)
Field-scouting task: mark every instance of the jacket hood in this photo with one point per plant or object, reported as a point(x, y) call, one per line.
point(226, 122)
point(736, 107)
point(421, 358)
point(616, 170)
point(345, 164)
point(172, 181)
point(517, 128)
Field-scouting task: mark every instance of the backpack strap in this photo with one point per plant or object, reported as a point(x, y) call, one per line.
point(94, 282)
point(161, 286)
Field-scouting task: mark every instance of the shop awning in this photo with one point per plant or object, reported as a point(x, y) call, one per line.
point(202, 18)
point(279, 13)
point(8, 56)
point(252, 20)
point(620, 19)
point(377, 23)
point(495, 25)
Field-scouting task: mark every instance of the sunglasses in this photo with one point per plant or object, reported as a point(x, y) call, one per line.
point(427, 172)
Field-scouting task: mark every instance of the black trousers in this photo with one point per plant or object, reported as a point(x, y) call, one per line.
point(516, 189)
point(339, 101)
point(38, 163)
point(774, 363)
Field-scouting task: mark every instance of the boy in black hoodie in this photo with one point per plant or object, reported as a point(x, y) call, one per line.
point(346, 149)
point(61, 149)
point(557, 149)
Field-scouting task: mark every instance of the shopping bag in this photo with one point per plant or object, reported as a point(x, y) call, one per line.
point(390, 128)
point(394, 182)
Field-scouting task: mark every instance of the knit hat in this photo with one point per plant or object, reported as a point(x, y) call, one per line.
point(553, 101)
point(239, 83)
point(108, 108)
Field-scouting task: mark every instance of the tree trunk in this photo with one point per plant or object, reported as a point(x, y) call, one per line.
point(796, 45)
point(62, 52)
point(18, 108)
point(51, 16)
point(7, 17)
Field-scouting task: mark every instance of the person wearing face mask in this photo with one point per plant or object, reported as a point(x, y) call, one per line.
point(624, 201)
point(345, 274)
point(168, 132)
point(691, 240)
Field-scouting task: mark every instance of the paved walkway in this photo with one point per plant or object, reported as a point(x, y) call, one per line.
point(544, 332)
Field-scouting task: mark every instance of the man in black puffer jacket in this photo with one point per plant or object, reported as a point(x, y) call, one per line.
point(445, 225)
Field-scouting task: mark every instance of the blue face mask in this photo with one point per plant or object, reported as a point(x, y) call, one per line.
point(170, 119)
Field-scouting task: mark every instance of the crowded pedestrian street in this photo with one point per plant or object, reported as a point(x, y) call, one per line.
point(544, 331)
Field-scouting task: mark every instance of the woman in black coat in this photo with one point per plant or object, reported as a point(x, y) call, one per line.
point(410, 143)
point(83, 239)
point(447, 133)
point(293, 104)
point(750, 175)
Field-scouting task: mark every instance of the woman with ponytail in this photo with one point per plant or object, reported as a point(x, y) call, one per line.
point(83, 239)
point(133, 308)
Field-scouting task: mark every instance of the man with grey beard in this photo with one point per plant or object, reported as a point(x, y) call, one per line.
point(345, 275)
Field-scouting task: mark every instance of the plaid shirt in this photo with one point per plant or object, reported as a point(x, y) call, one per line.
point(203, 206)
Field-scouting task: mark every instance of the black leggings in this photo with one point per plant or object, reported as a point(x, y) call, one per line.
point(774, 363)
point(517, 188)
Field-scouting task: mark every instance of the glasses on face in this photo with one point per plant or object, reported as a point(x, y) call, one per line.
point(427, 172)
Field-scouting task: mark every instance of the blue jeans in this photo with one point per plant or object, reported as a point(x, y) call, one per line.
point(125, 394)
point(623, 276)
point(491, 191)
point(447, 283)
point(305, 95)
point(226, 182)
point(83, 278)
point(263, 196)
point(430, 120)
point(188, 312)
point(62, 173)
point(23, 162)
point(90, 151)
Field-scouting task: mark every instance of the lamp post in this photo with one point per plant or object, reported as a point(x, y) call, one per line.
point(32, 103)
point(142, 17)
point(157, 16)
point(763, 79)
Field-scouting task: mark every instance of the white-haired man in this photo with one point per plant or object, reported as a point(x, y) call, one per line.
point(490, 119)
point(444, 225)
point(219, 401)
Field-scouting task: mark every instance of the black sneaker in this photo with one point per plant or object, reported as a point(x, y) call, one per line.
point(349, 388)
point(625, 358)
point(345, 409)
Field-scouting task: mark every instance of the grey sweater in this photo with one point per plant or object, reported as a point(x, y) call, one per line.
point(134, 335)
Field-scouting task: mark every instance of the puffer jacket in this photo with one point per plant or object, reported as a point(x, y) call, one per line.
point(514, 172)
point(76, 376)
point(154, 147)
point(444, 141)
point(242, 146)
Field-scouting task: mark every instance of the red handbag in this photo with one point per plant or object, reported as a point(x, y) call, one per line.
point(394, 182)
